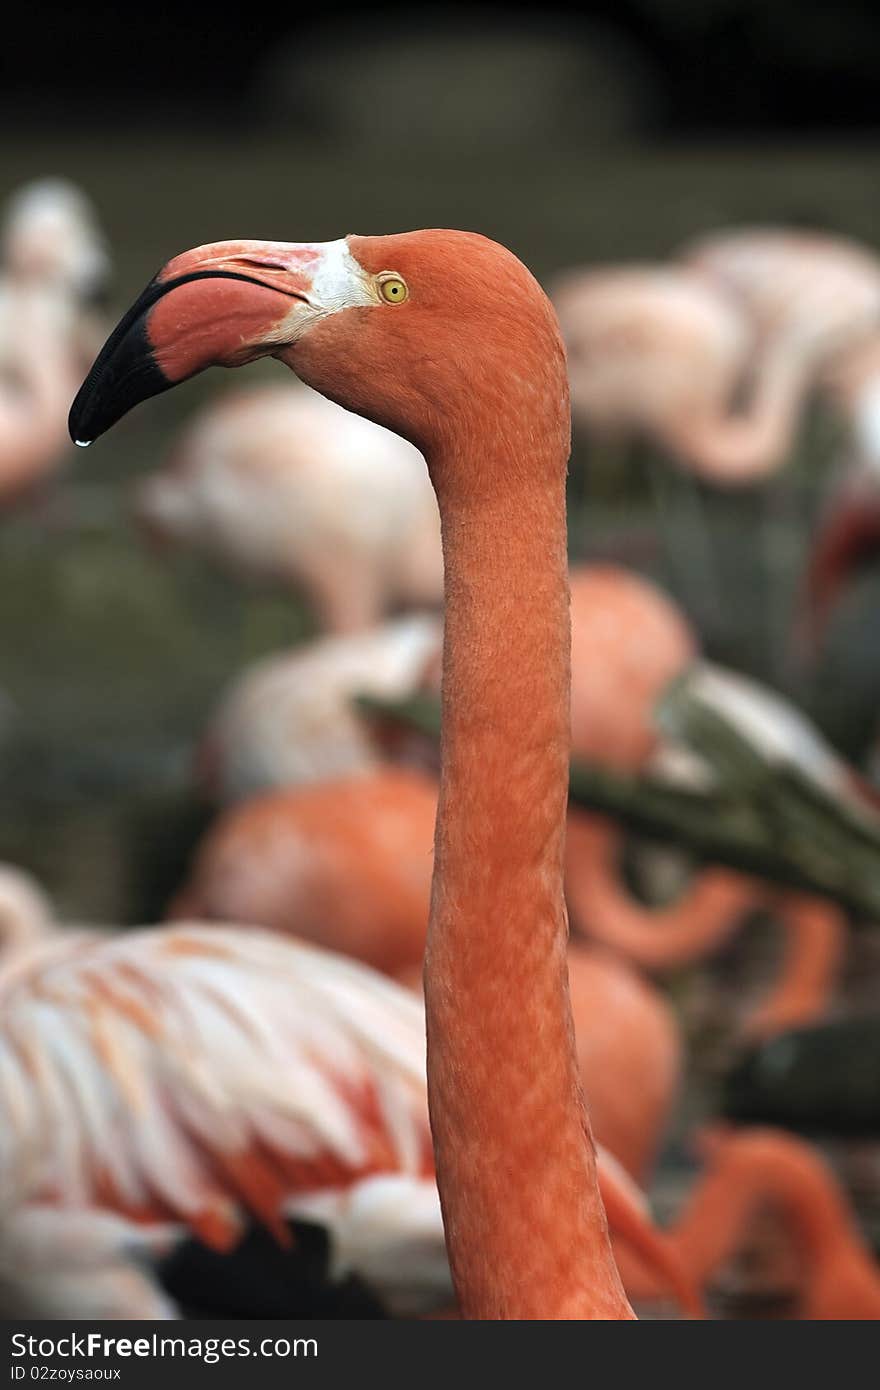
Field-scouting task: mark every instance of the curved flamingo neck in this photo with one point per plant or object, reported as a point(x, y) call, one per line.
point(758, 1168)
point(747, 446)
point(516, 1167)
point(656, 938)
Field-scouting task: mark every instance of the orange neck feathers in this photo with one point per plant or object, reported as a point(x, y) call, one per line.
point(525, 1226)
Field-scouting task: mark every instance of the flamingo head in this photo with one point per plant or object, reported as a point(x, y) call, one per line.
point(50, 236)
point(25, 912)
point(393, 327)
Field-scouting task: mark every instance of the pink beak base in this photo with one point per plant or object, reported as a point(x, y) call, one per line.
point(217, 304)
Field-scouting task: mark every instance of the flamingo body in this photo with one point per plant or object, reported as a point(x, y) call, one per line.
point(183, 1078)
point(292, 719)
point(53, 259)
point(167, 1082)
point(714, 359)
point(648, 346)
point(629, 1054)
point(824, 288)
point(345, 863)
point(628, 641)
point(279, 482)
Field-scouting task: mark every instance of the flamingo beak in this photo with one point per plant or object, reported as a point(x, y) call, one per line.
point(223, 304)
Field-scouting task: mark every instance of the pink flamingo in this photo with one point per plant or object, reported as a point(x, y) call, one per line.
point(53, 257)
point(278, 482)
point(346, 862)
point(50, 236)
point(446, 338)
point(823, 289)
point(172, 1082)
point(292, 718)
point(662, 352)
point(26, 914)
point(790, 281)
point(628, 643)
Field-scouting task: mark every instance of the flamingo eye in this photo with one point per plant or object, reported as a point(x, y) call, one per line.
point(392, 288)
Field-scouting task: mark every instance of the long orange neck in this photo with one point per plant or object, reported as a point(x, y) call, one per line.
point(516, 1168)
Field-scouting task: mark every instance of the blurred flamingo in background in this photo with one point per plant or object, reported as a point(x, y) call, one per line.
point(628, 643)
point(790, 282)
point(280, 483)
point(707, 913)
point(26, 913)
point(175, 1082)
point(805, 286)
point(38, 370)
point(50, 236)
point(292, 718)
point(52, 262)
point(346, 863)
point(663, 353)
point(818, 1260)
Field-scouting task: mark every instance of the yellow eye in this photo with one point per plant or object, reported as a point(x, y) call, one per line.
point(393, 290)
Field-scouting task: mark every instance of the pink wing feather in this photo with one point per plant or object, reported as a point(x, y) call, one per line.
point(197, 1073)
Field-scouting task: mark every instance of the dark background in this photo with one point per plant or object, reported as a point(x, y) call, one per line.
point(713, 66)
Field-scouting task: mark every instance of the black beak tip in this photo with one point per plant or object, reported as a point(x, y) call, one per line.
point(91, 414)
point(124, 373)
point(79, 424)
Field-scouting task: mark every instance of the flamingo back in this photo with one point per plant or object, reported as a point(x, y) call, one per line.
point(199, 1074)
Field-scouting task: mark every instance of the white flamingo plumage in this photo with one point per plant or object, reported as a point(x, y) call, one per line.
point(53, 259)
point(175, 1081)
point(292, 718)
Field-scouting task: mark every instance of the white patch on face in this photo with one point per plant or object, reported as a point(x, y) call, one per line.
point(340, 282)
point(337, 283)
